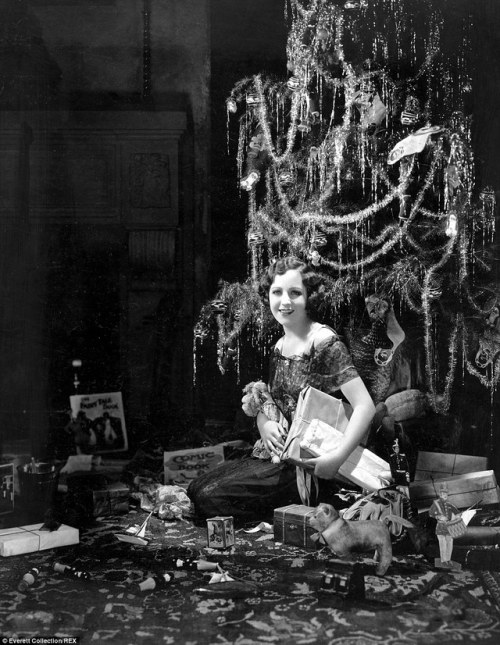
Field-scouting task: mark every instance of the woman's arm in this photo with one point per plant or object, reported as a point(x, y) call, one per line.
point(363, 411)
point(356, 393)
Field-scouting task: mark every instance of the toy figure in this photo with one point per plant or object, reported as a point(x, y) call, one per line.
point(400, 470)
point(447, 528)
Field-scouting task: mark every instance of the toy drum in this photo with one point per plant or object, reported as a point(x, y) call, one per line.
point(456, 527)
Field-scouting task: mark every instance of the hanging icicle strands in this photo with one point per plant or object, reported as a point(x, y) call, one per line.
point(360, 161)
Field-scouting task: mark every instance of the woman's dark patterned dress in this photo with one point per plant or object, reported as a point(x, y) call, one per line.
point(252, 488)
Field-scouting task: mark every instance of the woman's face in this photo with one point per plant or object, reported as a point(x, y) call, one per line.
point(287, 299)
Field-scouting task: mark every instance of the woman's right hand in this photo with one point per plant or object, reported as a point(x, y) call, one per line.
point(272, 434)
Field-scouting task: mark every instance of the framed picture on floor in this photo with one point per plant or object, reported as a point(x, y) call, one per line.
point(98, 423)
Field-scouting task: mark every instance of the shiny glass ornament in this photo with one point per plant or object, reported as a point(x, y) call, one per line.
point(248, 182)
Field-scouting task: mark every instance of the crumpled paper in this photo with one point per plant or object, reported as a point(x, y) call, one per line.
point(263, 526)
point(168, 502)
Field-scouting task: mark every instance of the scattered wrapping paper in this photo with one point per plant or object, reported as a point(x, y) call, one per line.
point(168, 502)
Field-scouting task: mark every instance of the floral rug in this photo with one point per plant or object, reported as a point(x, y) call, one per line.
point(276, 595)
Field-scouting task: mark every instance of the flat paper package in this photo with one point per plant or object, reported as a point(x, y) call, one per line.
point(436, 465)
point(291, 525)
point(463, 490)
point(29, 539)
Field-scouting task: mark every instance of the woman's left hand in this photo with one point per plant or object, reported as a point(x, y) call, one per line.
point(326, 466)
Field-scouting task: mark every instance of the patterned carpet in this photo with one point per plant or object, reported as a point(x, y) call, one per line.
point(276, 596)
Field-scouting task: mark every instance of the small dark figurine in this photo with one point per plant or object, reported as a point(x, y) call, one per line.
point(400, 469)
point(343, 537)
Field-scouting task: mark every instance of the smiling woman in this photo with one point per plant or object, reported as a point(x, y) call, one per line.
point(308, 353)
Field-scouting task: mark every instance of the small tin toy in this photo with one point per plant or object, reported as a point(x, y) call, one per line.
point(344, 579)
point(220, 532)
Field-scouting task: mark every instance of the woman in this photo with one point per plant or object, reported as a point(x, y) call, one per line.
point(308, 353)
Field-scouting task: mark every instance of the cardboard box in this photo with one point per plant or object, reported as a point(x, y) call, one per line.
point(433, 465)
point(99, 498)
point(220, 532)
point(363, 467)
point(463, 490)
point(291, 525)
point(29, 539)
point(112, 500)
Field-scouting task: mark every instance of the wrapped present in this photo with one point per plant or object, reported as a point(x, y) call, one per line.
point(98, 497)
point(220, 532)
point(464, 491)
point(362, 467)
point(30, 538)
point(111, 500)
point(432, 465)
point(292, 525)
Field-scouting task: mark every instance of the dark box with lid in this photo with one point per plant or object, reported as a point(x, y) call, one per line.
point(292, 526)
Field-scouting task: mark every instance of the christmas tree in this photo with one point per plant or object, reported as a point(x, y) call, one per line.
point(360, 162)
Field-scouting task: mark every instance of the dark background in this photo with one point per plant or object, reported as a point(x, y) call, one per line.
point(118, 288)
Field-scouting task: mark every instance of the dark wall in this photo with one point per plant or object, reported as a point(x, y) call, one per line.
point(104, 222)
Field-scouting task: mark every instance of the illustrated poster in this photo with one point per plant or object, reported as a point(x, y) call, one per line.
point(99, 422)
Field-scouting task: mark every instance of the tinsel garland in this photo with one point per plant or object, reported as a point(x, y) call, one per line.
point(426, 306)
point(412, 228)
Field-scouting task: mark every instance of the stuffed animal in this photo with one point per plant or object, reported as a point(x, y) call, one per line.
point(343, 537)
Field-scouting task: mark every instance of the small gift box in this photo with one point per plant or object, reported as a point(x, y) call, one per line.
point(291, 525)
point(220, 532)
point(111, 500)
point(97, 496)
point(30, 538)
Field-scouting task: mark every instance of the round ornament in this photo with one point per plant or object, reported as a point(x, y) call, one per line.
point(248, 182)
point(314, 258)
point(322, 33)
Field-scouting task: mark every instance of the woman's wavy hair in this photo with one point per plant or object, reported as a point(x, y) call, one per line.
point(313, 281)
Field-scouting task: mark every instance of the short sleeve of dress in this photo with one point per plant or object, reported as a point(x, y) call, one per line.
point(331, 365)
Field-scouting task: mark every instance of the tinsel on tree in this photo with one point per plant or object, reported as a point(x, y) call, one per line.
point(360, 162)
